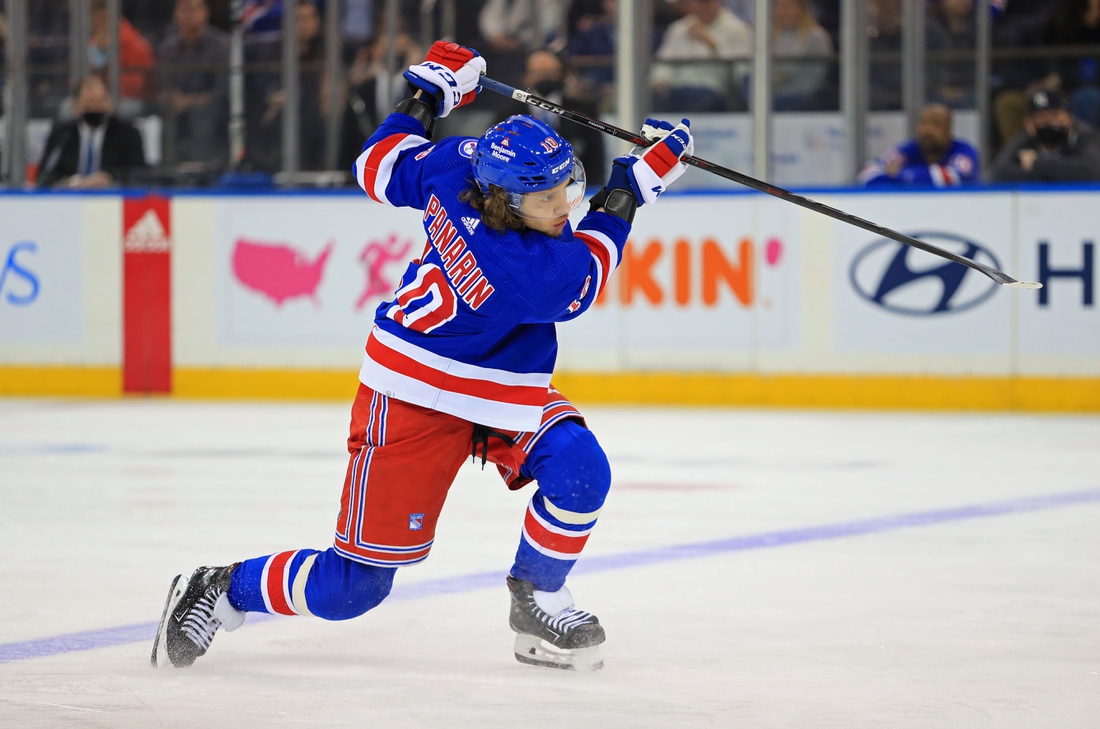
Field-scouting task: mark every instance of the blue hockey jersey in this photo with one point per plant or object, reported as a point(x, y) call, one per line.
point(470, 330)
point(960, 167)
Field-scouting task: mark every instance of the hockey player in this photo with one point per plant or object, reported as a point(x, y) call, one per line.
point(459, 362)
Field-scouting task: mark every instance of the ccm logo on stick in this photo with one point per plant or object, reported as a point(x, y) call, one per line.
point(903, 280)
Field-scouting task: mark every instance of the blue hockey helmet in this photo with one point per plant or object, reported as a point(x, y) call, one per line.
point(522, 155)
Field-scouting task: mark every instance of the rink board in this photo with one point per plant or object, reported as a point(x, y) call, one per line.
point(722, 298)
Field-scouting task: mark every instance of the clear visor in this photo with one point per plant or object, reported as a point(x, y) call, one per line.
point(555, 202)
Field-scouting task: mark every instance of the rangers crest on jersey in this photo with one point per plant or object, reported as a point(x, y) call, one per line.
point(466, 149)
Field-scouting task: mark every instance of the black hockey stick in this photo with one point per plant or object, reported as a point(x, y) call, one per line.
point(522, 96)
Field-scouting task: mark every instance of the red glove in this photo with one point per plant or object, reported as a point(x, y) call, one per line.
point(454, 57)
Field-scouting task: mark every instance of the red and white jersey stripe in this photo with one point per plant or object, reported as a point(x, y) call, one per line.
point(374, 167)
point(497, 398)
point(603, 251)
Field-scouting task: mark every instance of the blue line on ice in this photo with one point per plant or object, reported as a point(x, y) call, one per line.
point(139, 632)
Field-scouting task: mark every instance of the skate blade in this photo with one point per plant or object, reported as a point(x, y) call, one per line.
point(537, 652)
point(160, 643)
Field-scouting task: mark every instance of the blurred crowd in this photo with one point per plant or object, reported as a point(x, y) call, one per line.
point(175, 54)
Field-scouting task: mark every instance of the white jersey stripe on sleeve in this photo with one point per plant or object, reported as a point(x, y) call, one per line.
point(612, 251)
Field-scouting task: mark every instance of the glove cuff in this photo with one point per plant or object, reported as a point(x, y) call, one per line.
point(420, 110)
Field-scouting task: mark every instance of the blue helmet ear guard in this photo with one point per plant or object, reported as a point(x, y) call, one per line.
point(522, 154)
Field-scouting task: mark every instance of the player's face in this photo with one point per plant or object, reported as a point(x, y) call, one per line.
point(547, 211)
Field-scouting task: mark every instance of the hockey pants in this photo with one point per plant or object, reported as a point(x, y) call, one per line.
point(573, 478)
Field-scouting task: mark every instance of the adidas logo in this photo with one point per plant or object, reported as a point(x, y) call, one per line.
point(147, 235)
point(471, 224)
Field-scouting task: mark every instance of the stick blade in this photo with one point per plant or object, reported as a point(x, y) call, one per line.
point(1003, 278)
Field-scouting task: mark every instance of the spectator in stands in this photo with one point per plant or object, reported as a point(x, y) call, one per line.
point(707, 33)
point(94, 150)
point(956, 20)
point(934, 158)
point(1054, 147)
point(194, 65)
point(797, 85)
point(135, 57)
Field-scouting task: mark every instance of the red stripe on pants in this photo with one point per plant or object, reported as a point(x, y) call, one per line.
point(280, 563)
point(552, 540)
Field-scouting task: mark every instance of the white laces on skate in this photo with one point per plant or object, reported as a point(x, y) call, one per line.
point(200, 623)
point(566, 620)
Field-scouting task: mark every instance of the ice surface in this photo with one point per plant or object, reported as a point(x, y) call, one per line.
point(985, 620)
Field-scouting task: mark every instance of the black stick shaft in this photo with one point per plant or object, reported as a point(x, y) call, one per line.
point(614, 131)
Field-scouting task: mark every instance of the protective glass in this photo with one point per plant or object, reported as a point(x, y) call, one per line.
point(552, 203)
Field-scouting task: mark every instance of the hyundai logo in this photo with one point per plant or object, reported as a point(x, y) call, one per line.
point(903, 280)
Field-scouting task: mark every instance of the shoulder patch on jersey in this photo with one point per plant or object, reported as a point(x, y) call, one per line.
point(470, 223)
point(425, 153)
point(466, 149)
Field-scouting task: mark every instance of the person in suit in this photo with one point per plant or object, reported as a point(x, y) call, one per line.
point(94, 150)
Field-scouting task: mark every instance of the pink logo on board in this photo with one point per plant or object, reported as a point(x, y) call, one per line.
point(374, 257)
point(278, 271)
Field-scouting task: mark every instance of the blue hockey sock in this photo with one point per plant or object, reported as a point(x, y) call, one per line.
point(573, 477)
point(308, 582)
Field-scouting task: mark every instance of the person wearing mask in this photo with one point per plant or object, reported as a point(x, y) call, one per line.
point(94, 150)
point(1054, 147)
point(934, 158)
